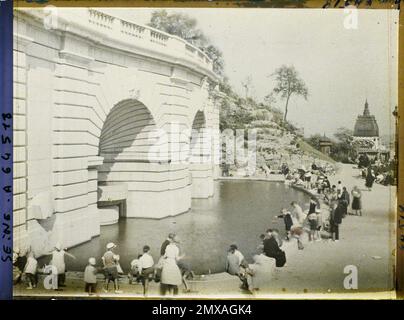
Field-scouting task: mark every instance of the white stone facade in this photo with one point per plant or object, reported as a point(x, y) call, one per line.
point(372, 143)
point(93, 97)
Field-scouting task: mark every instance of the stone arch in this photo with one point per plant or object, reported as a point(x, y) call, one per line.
point(200, 161)
point(197, 138)
point(134, 171)
point(129, 131)
point(119, 85)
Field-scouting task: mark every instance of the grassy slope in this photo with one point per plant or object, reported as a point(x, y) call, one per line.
point(304, 146)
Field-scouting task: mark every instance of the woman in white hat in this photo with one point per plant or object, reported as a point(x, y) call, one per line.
point(58, 261)
point(110, 261)
point(171, 275)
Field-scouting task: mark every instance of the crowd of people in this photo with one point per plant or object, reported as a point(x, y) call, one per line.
point(315, 222)
point(170, 271)
point(377, 170)
point(339, 200)
point(297, 222)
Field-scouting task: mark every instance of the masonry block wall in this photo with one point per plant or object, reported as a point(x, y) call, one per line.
point(104, 102)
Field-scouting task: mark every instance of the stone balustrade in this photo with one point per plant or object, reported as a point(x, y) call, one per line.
point(117, 29)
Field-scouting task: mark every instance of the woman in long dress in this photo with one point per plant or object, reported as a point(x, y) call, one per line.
point(171, 275)
point(356, 201)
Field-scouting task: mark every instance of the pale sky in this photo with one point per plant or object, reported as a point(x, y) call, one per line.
point(341, 67)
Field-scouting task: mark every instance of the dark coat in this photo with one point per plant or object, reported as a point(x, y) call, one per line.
point(345, 197)
point(369, 179)
point(312, 208)
point(337, 214)
point(271, 248)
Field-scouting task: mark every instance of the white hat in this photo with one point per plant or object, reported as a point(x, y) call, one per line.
point(92, 261)
point(111, 245)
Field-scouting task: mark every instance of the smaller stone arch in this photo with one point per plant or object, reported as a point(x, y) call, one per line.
point(200, 160)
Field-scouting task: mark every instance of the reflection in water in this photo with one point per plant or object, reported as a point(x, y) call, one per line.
point(238, 213)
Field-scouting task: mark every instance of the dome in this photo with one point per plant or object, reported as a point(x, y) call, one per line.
point(366, 125)
point(325, 139)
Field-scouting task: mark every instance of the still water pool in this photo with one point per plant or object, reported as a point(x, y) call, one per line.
point(238, 213)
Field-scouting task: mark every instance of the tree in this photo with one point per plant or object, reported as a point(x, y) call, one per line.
point(216, 56)
point(343, 150)
point(314, 140)
point(270, 99)
point(178, 24)
point(289, 83)
point(344, 135)
point(185, 27)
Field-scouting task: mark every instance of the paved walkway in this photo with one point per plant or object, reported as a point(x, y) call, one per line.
point(366, 242)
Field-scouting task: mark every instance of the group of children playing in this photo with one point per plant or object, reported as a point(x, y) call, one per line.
point(25, 267)
point(294, 221)
point(142, 269)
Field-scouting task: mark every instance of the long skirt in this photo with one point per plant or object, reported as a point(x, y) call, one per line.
point(171, 274)
point(356, 204)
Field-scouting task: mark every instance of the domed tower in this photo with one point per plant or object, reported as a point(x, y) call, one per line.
point(366, 125)
point(366, 130)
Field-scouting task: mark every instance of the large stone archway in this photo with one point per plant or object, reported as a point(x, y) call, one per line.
point(89, 93)
point(133, 169)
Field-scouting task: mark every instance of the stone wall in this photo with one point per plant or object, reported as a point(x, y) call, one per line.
point(92, 102)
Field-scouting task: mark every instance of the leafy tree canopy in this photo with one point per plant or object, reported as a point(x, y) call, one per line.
point(289, 83)
point(185, 27)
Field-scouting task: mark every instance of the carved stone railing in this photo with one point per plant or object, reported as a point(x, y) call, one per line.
point(146, 35)
point(100, 19)
point(132, 29)
point(101, 27)
point(106, 29)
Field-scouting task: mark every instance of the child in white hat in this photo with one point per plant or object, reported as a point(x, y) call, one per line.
point(110, 261)
point(90, 277)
